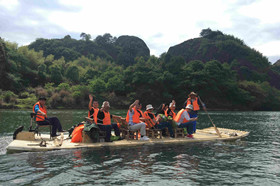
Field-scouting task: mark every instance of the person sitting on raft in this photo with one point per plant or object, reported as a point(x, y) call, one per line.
point(162, 109)
point(104, 121)
point(140, 110)
point(133, 120)
point(184, 121)
point(161, 114)
point(93, 108)
point(40, 110)
point(154, 121)
point(171, 110)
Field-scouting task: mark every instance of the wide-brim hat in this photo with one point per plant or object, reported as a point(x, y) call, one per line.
point(189, 106)
point(105, 102)
point(193, 93)
point(42, 98)
point(148, 107)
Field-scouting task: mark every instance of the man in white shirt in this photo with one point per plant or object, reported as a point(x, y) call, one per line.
point(184, 121)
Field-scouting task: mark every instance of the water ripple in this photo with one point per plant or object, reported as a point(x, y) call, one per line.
point(252, 161)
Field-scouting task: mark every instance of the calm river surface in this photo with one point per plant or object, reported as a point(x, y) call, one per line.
point(254, 160)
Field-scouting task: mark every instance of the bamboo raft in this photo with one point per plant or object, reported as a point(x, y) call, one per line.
point(27, 141)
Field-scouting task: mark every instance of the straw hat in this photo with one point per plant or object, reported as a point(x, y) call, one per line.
point(192, 93)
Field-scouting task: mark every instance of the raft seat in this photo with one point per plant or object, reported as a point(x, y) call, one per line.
point(179, 132)
point(152, 133)
point(102, 134)
point(125, 132)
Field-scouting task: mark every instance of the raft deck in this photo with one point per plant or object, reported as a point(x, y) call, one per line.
point(203, 135)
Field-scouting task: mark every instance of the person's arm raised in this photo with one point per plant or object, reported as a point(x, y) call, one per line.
point(133, 104)
point(173, 103)
point(90, 101)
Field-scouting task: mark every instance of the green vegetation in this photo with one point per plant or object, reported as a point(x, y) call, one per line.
point(225, 72)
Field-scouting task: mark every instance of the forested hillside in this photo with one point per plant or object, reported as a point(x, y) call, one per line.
point(121, 50)
point(249, 64)
point(225, 72)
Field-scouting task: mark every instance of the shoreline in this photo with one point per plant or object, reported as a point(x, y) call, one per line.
point(208, 109)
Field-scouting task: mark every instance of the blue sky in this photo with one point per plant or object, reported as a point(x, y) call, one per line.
point(160, 23)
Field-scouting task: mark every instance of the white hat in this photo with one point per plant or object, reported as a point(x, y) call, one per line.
point(171, 105)
point(189, 106)
point(105, 102)
point(148, 107)
point(193, 93)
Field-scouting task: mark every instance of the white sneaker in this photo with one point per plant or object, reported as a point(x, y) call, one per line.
point(144, 138)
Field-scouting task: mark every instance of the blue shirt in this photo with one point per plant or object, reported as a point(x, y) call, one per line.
point(36, 108)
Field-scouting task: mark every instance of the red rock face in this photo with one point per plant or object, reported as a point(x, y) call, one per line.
point(249, 63)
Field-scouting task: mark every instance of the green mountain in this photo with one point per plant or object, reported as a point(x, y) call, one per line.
point(250, 64)
point(122, 50)
point(225, 72)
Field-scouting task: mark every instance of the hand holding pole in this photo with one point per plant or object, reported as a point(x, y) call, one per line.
point(216, 129)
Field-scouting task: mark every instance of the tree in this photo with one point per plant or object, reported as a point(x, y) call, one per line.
point(208, 33)
point(106, 39)
point(67, 37)
point(4, 66)
point(97, 86)
point(42, 72)
point(85, 36)
point(63, 86)
point(49, 60)
point(116, 83)
point(56, 75)
point(72, 73)
point(205, 32)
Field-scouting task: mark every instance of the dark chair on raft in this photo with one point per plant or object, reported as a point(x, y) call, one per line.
point(37, 126)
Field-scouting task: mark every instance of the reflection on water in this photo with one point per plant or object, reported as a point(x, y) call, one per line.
point(137, 165)
point(252, 161)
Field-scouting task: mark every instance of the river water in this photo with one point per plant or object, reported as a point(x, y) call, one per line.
point(254, 160)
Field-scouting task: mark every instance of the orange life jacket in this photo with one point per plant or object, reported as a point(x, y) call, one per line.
point(151, 122)
point(77, 136)
point(94, 114)
point(107, 118)
point(39, 116)
point(173, 114)
point(141, 113)
point(135, 117)
point(194, 104)
point(178, 116)
point(165, 113)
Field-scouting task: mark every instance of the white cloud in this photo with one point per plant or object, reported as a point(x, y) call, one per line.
point(270, 48)
point(10, 4)
point(266, 11)
point(160, 23)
